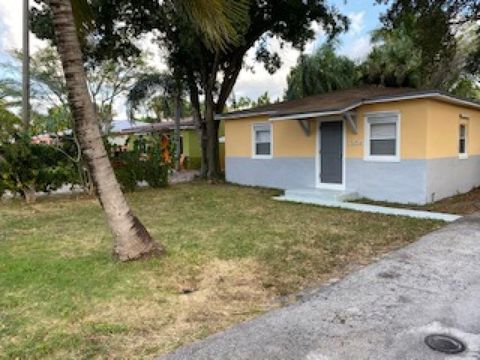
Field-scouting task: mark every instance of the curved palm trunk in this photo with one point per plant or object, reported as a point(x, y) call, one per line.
point(131, 239)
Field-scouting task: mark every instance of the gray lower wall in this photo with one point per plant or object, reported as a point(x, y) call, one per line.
point(402, 182)
point(406, 181)
point(281, 173)
point(451, 176)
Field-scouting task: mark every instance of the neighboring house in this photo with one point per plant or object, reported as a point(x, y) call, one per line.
point(119, 131)
point(51, 138)
point(189, 139)
point(387, 144)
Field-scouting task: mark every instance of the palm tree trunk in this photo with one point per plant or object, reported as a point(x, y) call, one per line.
point(131, 239)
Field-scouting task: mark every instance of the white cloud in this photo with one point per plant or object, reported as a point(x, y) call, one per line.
point(155, 55)
point(357, 22)
point(358, 49)
point(11, 27)
point(253, 84)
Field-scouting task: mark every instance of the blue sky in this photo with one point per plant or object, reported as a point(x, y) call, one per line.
point(365, 19)
point(364, 16)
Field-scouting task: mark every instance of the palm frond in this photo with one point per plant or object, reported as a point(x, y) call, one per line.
point(146, 86)
point(83, 14)
point(221, 21)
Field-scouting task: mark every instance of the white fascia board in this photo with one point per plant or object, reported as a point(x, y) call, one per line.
point(242, 116)
point(459, 101)
point(314, 114)
point(434, 95)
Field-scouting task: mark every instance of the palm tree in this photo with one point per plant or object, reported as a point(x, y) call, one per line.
point(321, 72)
point(131, 239)
point(395, 61)
point(172, 91)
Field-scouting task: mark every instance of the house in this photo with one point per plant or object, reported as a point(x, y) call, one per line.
point(387, 144)
point(189, 139)
point(119, 130)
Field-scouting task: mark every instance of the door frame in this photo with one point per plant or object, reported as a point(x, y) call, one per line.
point(318, 158)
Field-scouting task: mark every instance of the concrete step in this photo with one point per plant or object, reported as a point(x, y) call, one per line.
point(320, 194)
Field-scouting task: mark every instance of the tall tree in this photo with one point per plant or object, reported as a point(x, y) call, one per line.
point(9, 123)
point(394, 61)
point(321, 72)
point(213, 72)
point(434, 29)
point(132, 240)
point(171, 89)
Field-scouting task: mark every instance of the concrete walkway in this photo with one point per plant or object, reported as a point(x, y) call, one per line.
point(375, 209)
point(340, 199)
point(382, 312)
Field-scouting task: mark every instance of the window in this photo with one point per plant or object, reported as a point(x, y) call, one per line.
point(462, 143)
point(262, 141)
point(382, 137)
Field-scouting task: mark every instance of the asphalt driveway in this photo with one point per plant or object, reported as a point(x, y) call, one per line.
point(383, 311)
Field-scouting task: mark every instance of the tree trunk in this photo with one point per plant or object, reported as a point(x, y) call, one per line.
point(202, 132)
point(201, 129)
point(178, 114)
point(213, 157)
point(131, 239)
point(30, 194)
point(213, 160)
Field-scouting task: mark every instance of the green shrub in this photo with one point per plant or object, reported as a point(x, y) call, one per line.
point(134, 166)
point(26, 168)
point(127, 178)
point(155, 171)
point(127, 170)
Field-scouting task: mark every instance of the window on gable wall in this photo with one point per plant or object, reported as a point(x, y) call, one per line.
point(462, 141)
point(262, 141)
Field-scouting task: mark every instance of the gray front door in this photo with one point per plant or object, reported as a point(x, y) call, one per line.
point(331, 152)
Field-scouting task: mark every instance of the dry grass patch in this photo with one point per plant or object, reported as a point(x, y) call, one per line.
point(232, 253)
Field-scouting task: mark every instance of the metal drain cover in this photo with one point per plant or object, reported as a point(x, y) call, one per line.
point(445, 343)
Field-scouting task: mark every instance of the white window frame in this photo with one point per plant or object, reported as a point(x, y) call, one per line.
point(261, 126)
point(465, 154)
point(376, 118)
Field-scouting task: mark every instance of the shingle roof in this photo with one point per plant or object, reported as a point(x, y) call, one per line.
point(337, 101)
point(185, 124)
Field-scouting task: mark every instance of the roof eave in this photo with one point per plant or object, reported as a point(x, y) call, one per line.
point(278, 116)
point(434, 95)
point(244, 115)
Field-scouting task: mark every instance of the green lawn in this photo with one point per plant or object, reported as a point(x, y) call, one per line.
point(233, 253)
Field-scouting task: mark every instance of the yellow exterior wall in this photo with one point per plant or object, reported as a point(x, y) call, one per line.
point(443, 130)
point(413, 128)
point(238, 136)
point(428, 129)
point(289, 140)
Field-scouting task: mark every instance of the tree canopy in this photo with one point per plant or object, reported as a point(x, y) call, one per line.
point(213, 72)
point(442, 35)
point(394, 60)
point(321, 72)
